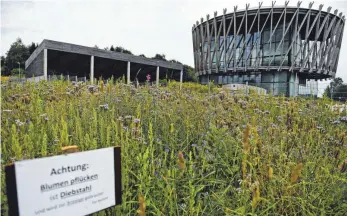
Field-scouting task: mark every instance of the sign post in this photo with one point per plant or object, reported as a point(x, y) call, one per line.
point(74, 184)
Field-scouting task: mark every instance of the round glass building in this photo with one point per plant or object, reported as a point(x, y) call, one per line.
point(282, 49)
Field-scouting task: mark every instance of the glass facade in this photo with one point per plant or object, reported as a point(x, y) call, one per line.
point(276, 83)
point(274, 49)
point(259, 50)
point(251, 50)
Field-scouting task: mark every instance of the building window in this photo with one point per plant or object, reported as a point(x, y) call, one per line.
point(273, 50)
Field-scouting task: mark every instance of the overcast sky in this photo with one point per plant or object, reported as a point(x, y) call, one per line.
point(142, 26)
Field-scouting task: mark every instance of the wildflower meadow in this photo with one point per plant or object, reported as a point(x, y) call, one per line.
point(193, 150)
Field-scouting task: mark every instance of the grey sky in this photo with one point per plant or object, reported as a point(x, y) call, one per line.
point(142, 26)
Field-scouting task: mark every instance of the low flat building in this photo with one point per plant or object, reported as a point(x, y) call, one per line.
point(59, 58)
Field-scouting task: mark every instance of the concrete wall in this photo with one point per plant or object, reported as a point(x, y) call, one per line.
point(36, 66)
point(243, 89)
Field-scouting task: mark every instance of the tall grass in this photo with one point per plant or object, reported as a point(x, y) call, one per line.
point(190, 151)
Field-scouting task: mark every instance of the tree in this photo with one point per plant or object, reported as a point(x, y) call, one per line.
point(18, 53)
point(112, 48)
point(175, 61)
point(123, 50)
point(327, 91)
point(142, 55)
point(32, 47)
point(336, 82)
point(190, 73)
point(336, 89)
point(4, 69)
point(159, 57)
point(340, 93)
point(127, 51)
point(96, 46)
point(17, 71)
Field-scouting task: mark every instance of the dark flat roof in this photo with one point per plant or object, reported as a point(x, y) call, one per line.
point(73, 48)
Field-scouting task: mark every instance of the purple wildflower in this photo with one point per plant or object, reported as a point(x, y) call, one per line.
point(104, 106)
point(273, 125)
point(128, 117)
point(19, 123)
point(336, 122)
point(279, 118)
point(118, 100)
point(343, 119)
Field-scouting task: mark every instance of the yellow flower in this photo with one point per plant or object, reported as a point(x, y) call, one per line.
point(69, 149)
point(270, 172)
point(108, 88)
point(142, 206)
point(256, 196)
point(172, 128)
point(296, 172)
point(180, 160)
point(4, 78)
point(102, 86)
point(246, 146)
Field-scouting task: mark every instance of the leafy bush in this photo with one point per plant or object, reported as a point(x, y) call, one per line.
point(17, 72)
point(187, 152)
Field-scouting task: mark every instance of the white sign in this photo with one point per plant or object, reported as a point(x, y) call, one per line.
point(73, 184)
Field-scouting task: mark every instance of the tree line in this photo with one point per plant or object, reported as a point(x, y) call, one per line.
point(14, 61)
